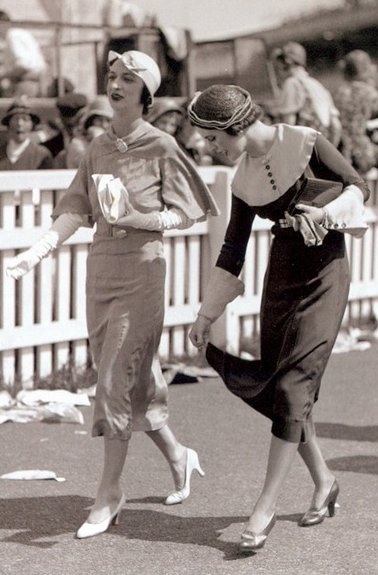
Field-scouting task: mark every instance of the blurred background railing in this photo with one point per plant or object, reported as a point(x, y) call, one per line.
point(42, 316)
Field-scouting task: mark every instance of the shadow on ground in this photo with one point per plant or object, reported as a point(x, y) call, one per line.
point(355, 463)
point(347, 432)
point(38, 521)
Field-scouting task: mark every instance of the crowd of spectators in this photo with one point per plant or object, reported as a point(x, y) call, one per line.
point(343, 116)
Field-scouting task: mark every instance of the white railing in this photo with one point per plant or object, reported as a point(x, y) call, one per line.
point(42, 317)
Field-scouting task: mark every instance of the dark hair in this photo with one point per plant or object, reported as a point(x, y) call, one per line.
point(146, 99)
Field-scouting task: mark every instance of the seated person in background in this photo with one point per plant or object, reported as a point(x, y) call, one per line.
point(93, 123)
point(303, 100)
point(357, 101)
point(22, 63)
point(20, 151)
point(166, 114)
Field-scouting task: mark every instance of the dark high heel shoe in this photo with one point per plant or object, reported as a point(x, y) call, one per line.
point(251, 542)
point(314, 516)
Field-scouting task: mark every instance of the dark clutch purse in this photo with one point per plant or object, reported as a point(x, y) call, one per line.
point(316, 192)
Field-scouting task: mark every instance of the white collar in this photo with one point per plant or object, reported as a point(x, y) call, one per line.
point(259, 181)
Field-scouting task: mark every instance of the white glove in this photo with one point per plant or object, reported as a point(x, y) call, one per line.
point(155, 221)
point(64, 226)
point(346, 213)
point(222, 288)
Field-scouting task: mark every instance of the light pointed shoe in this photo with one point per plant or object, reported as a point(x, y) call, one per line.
point(92, 529)
point(192, 463)
point(315, 516)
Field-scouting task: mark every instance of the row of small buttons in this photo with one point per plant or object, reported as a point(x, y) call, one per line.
point(270, 175)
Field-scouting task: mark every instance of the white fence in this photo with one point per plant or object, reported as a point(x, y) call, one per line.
point(42, 316)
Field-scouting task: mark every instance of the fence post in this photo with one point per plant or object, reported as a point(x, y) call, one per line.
point(225, 331)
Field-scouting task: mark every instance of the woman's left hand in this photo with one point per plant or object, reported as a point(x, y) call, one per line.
point(312, 212)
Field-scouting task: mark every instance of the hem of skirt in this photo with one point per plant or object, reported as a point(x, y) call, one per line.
point(293, 430)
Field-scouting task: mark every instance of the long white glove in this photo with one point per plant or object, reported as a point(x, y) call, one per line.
point(155, 221)
point(63, 227)
point(346, 213)
point(222, 288)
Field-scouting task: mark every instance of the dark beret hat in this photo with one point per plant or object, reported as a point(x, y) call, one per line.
point(70, 104)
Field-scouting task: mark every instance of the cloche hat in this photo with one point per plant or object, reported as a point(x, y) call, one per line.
point(141, 65)
point(20, 106)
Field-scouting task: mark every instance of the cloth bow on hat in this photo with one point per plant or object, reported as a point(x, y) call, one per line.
point(142, 65)
point(112, 196)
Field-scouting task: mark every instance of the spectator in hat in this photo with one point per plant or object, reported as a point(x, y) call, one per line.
point(22, 63)
point(303, 100)
point(357, 100)
point(166, 114)
point(20, 151)
point(70, 108)
point(95, 121)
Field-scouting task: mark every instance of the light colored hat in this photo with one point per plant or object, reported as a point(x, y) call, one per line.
point(292, 53)
point(162, 106)
point(141, 65)
point(98, 107)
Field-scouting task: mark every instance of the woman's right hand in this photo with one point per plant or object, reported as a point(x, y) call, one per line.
point(199, 334)
point(22, 264)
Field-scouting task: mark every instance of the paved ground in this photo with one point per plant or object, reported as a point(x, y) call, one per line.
point(38, 518)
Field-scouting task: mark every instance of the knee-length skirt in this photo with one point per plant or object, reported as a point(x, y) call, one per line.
point(304, 299)
point(125, 311)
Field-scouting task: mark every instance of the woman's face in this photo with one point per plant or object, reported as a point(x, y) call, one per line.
point(124, 89)
point(20, 126)
point(230, 146)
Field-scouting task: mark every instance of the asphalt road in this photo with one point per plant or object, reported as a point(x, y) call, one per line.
point(38, 518)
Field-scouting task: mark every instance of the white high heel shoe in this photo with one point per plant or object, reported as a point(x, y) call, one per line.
point(192, 463)
point(92, 529)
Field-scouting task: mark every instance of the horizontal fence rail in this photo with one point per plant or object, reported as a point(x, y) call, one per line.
point(42, 316)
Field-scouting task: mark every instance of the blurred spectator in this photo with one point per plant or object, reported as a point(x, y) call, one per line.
point(357, 100)
point(67, 87)
point(191, 142)
point(71, 107)
point(166, 114)
point(21, 61)
point(95, 121)
point(20, 152)
point(303, 100)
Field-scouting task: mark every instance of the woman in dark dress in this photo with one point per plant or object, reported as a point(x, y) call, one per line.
point(305, 289)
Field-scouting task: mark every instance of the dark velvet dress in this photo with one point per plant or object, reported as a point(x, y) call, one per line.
point(304, 298)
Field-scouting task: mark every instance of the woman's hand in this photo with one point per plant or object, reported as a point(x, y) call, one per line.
point(199, 334)
point(312, 212)
point(22, 264)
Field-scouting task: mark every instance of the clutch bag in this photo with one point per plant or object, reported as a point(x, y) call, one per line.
point(318, 193)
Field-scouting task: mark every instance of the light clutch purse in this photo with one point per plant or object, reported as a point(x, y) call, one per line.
point(112, 197)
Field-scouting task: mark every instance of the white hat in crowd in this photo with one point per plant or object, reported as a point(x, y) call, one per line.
point(141, 65)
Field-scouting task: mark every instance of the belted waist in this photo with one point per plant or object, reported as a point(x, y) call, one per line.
point(107, 230)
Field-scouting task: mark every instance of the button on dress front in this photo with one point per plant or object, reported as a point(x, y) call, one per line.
point(126, 274)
